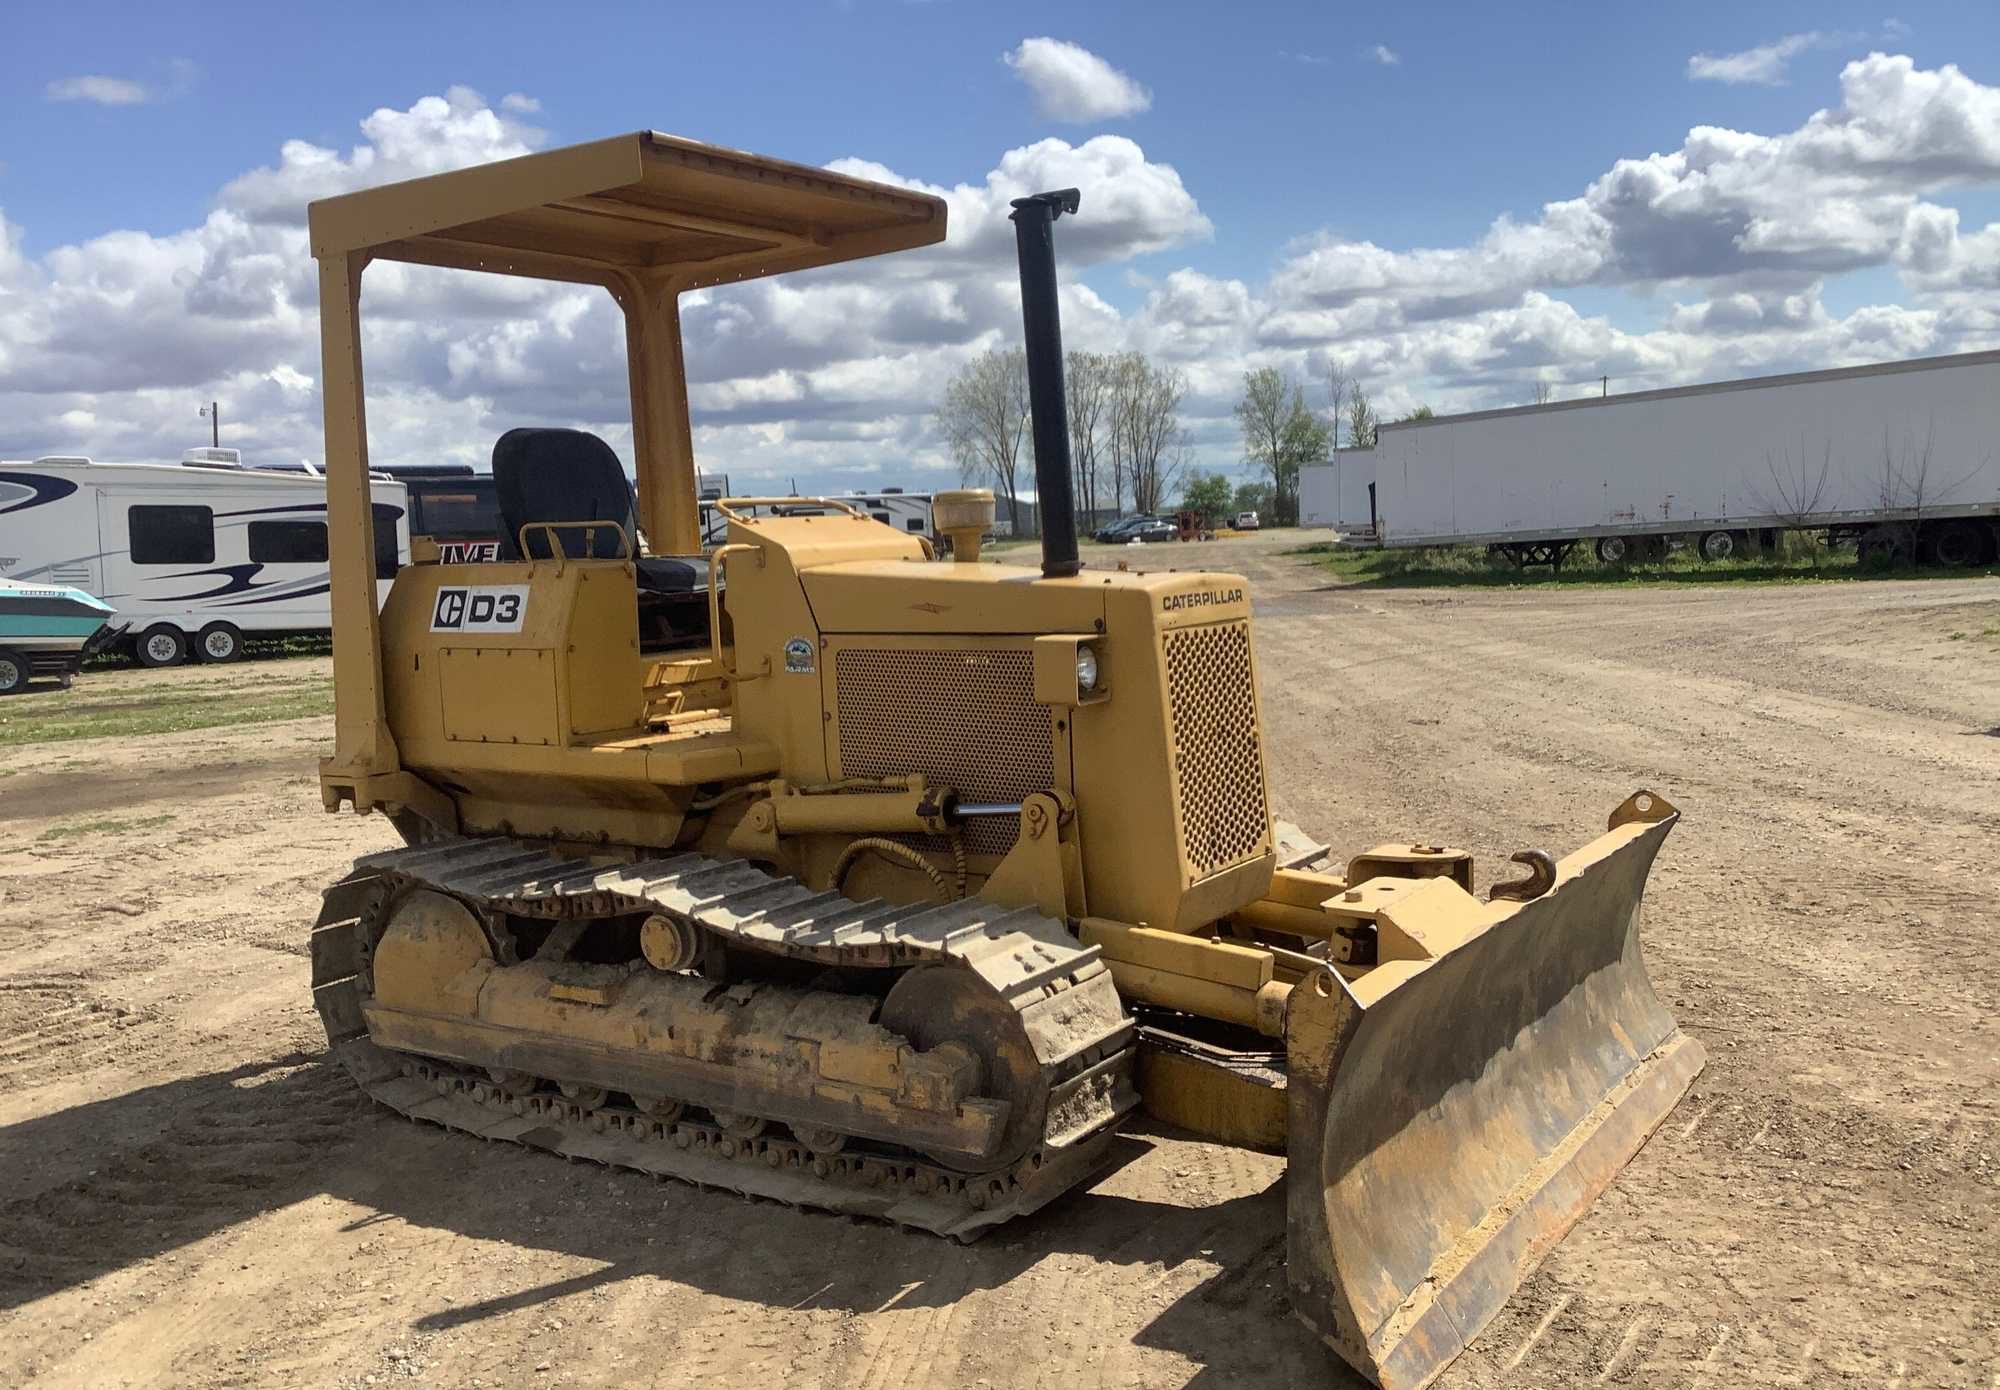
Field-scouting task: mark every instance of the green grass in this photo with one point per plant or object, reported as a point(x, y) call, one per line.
point(114, 825)
point(1468, 566)
point(138, 708)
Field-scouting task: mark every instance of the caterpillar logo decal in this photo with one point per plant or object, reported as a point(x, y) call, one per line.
point(1200, 598)
point(480, 608)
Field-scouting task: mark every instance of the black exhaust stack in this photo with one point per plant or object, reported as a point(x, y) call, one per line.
point(1041, 323)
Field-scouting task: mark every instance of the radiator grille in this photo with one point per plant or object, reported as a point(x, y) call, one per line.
point(964, 719)
point(1216, 757)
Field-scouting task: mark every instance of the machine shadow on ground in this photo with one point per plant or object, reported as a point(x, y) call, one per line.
point(131, 1178)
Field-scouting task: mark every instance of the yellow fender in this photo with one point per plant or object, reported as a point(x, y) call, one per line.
point(1451, 1117)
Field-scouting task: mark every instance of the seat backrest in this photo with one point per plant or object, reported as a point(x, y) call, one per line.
point(560, 475)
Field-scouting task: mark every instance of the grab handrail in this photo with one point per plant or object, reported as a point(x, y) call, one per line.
point(589, 529)
point(715, 561)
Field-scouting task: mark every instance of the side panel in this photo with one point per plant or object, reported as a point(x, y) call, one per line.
point(517, 688)
point(1335, 493)
point(1894, 442)
point(1173, 813)
point(238, 582)
point(962, 711)
point(48, 530)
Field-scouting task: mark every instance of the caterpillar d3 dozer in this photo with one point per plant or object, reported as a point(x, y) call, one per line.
point(820, 869)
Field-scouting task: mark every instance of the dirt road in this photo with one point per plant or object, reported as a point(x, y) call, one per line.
point(193, 1198)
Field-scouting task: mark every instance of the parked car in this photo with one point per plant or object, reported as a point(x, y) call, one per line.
point(1247, 521)
point(1141, 529)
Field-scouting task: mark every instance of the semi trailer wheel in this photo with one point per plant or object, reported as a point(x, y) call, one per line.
point(1613, 550)
point(1881, 547)
point(1959, 543)
point(221, 642)
point(162, 644)
point(1716, 545)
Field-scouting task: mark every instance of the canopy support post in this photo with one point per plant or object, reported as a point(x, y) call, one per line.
point(363, 745)
point(662, 438)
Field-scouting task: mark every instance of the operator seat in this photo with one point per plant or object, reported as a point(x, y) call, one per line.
point(561, 475)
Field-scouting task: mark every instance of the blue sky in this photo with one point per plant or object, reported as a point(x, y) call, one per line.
point(1484, 113)
point(1288, 126)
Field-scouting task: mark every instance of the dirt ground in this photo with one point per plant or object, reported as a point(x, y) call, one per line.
point(193, 1197)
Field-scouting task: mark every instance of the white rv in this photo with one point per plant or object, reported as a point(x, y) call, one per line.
point(906, 511)
point(195, 556)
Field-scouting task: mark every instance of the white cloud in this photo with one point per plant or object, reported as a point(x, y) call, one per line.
point(1934, 256)
point(1727, 243)
point(1385, 55)
point(1763, 65)
point(1131, 205)
point(105, 91)
point(104, 343)
point(1833, 195)
point(436, 134)
point(1070, 83)
point(520, 102)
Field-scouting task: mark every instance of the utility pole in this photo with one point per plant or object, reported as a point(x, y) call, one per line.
point(213, 411)
point(1603, 387)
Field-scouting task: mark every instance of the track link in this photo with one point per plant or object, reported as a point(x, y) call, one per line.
point(1060, 990)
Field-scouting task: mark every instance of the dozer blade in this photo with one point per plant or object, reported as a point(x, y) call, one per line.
point(1453, 1112)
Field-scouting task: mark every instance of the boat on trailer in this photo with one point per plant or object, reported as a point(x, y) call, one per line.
point(47, 630)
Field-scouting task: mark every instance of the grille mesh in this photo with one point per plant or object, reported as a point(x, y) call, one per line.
point(964, 719)
point(1220, 768)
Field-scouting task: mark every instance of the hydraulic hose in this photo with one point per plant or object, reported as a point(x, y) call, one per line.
point(899, 853)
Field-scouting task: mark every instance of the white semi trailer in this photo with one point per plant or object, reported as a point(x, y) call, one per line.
point(1902, 458)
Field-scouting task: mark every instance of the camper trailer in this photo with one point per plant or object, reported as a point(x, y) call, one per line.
point(195, 556)
point(906, 511)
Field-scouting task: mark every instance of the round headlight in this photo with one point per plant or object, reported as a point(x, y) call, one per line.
point(1086, 670)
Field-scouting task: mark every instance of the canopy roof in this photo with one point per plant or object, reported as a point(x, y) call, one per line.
point(647, 204)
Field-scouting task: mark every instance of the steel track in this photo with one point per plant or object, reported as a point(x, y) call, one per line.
point(1059, 989)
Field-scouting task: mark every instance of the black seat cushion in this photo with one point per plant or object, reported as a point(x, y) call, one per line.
point(560, 475)
point(670, 574)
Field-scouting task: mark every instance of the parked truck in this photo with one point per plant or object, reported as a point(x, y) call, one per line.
point(1900, 458)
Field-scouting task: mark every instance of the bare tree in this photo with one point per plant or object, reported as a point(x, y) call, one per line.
point(1142, 419)
point(984, 417)
point(1087, 388)
point(1281, 435)
point(1910, 484)
point(1339, 385)
point(1545, 392)
point(1157, 448)
point(1798, 491)
point(1126, 377)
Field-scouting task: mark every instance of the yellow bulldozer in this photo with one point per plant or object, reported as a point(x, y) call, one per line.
point(820, 868)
